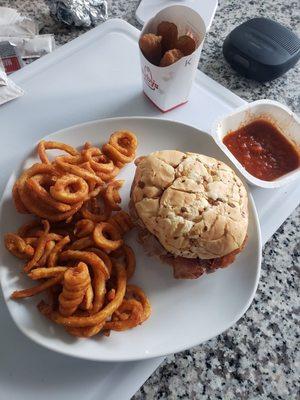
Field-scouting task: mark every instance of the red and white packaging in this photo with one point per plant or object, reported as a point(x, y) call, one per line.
point(169, 87)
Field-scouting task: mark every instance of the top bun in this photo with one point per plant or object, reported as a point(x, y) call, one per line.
point(195, 205)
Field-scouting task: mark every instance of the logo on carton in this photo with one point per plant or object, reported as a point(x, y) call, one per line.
point(150, 82)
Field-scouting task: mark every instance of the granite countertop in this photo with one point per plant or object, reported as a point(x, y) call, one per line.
point(259, 357)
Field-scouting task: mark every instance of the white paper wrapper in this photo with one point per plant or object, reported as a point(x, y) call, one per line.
point(22, 32)
point(12, 23)
point(8, 89)
point(31, 46)
point(169, 87)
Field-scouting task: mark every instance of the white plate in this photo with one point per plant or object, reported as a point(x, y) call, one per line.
point(185, 313)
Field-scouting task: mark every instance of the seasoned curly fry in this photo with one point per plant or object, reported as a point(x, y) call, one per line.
point(108, 176)
point(81, 259)
point(87, 302)
point(39, 248)
point(97, 190)
point(18, 247)
point(105, 228)
point(135, 311)
point(42, 273)
point(65, 163)
point(20, 206)
point(37, 207)
point(36, 233)
point(35, 184)
point(124, 142)
point(25, 230)
point(92, 183)
point(129, 259)
point(47, 145)
point(48, 249)
point(118, 158)
point(53, 257)
point(137, 293)
point(93, 211)
point(75, 284)
point(104, 257)
point(111, 294)
point(95, 215)
point(32, 241)
point(98, 161)
point(70, 189)
point(84, 227)
point(100, 273)
point(111, 195)
point(122, 221)
point(85, 332)
point(94, 319)
point(21, 294)
point(82, 243)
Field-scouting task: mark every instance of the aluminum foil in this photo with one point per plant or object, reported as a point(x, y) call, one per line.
point(79, 12)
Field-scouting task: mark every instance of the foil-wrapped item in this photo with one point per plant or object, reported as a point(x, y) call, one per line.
point(79, 12)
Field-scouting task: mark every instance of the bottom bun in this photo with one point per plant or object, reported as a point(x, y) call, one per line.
point(183, 267)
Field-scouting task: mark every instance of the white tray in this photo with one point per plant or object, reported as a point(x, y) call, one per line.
point(95, 76)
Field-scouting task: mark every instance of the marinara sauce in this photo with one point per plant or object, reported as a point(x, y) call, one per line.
point(263, 150)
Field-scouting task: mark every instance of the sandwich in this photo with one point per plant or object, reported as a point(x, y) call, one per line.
point(191, 211)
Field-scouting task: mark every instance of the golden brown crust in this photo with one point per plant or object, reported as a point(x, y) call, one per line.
point(150, 46)
point(186, 45)
point(195, 205)
point(170, 57)
point(169, 33)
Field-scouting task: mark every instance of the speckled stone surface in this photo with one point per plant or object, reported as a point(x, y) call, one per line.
point(259, 357)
